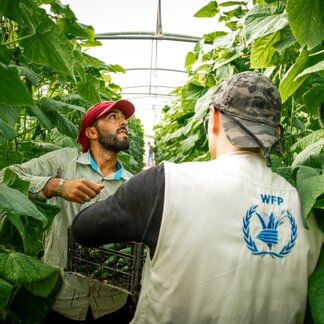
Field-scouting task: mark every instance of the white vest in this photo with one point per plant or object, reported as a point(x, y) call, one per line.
point(232, 247)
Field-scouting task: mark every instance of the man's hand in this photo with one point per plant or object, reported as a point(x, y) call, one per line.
point(75, 190)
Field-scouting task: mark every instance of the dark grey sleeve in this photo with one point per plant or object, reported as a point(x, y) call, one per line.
point(133, 213)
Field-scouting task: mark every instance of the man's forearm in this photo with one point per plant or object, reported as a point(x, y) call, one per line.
point(53, 187)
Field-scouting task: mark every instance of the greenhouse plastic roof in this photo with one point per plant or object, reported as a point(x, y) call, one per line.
point(150, 39)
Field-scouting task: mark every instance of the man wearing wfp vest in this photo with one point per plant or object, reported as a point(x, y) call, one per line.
point(225, 237)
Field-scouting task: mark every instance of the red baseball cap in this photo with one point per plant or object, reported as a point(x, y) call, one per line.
point(97, 110)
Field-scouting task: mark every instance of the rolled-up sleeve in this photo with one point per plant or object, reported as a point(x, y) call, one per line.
point(38, 171)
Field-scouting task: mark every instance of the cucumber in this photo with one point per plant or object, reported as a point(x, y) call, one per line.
point(127, 250)
point(114, 246)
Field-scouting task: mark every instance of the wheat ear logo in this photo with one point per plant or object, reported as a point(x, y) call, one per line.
point(266, 229)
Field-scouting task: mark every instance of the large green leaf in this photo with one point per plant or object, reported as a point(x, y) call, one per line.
point(308, 140)
point(195, 91)
point(33, 77)
point(310, 186)
point(50, 108)
point(43, 41)
point(12, 180)
point(263, 53)
point(38, 277)
point(88, 89)
point(6, 132)
point(42, 117)
point(314, 97)
point(47, 104)
point(5, 293)
point(312, 69)
point(224, 40)
point(73, 29)
point(29, 228)
point(262, 21)
point(29, 308)
point(64, 125)
point(316, 290)
point(290, 83)
point(14, 202)
point(189, 142)
point(12, 90)
point(312, 155)
point(306, 20)
point(9, 114)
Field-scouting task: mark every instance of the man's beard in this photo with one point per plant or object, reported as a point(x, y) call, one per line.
point(111, 142)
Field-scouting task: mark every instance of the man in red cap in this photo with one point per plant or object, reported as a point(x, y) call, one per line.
point(73, 180)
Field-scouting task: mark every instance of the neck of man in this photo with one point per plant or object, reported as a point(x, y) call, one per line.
point(106, 160)
point(223, 145)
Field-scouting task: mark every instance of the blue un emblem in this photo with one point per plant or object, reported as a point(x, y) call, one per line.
point(265, 238)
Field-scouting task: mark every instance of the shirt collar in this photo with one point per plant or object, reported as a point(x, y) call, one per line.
point(86, 158)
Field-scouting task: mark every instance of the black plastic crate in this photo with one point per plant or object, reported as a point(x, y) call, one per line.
point(117, 264)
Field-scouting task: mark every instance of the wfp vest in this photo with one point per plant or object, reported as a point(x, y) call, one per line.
point(232, 247)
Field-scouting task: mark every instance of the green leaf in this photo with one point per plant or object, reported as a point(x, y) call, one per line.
point(41, 116)
point(116, 68)
point(46, 112)
point(203, 102)
point(263, 53)
point(6, 132)
point(8, 204)
point(73, 29)
point(262, 21)
point(310, 185)
point(9, 114)
point(47, 209)
point(12, 180)
point(33, 77)
point(31, 309)
point(64, 125)
point(20, 269)
point(88, 89)
point(30, 230)
point(47, 104)
point(12, 90)
point(189, 142)
point(308, 140)
point(316, 290)
point(319, 204)
point(312, 156)
point(210, 10)
point(5, 293)
point(312, 69)
point(209, 38)
point(5, 54)
point(285, 43)
point(43, 41)
point(190, 60)
point(195, 91)
point(314, 97)
point(306, 21)
point(289, 83)
point(224, 40)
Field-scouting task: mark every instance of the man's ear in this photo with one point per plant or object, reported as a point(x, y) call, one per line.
point(215, 121)
point(91, 132)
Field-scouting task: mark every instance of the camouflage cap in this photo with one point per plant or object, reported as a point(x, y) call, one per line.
point(252, 100)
